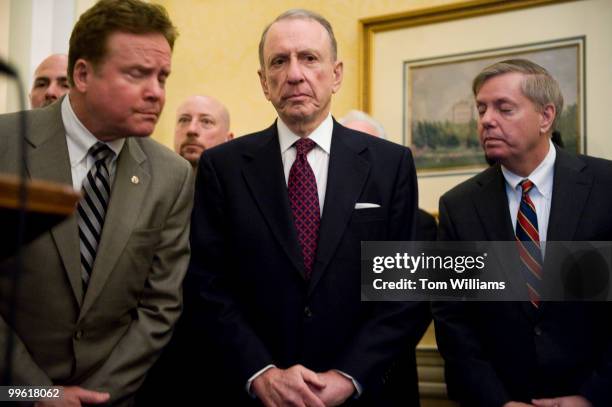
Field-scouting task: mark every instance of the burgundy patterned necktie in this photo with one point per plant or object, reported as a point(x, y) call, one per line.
point(528, 243)
point(304, 201)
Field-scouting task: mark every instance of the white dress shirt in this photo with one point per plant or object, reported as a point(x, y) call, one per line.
point(541, 194)
point(318, 157)
point(80, 140)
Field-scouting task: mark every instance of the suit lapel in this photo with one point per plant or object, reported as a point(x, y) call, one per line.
point(263, 173)
point(128, 192)
point(49, 160)
point(492, 206)
point(571, 187)
point(569, 181)
point(347, 174)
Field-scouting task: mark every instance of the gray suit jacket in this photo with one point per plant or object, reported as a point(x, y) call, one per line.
point(106, 338)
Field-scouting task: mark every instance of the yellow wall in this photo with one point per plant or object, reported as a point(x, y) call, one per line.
point(5, 8)
point(216, 53)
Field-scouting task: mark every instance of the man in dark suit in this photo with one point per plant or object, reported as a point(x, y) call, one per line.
point(277, 224)
point(534, 353)
point(99, 294)
point(427, 228)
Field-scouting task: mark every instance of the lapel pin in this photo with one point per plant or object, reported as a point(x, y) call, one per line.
point(135, 180)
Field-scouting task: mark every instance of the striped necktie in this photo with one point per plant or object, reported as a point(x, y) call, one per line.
point(304, 201)
point(92, 207)
point(528, 243)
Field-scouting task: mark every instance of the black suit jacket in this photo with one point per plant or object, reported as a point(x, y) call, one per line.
point(427, 228)
point(247, 272)
point(496, 352)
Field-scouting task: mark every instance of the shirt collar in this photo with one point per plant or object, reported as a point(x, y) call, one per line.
point(80, 140)
point(542, 176)
point(322, 135)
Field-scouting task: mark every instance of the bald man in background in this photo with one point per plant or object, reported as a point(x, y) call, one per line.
point(50, 81)
point(363, 122)
point(202, 122)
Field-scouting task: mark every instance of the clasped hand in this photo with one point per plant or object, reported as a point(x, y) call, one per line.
point(301, 387)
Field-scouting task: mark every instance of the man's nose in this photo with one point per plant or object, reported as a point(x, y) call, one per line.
point(487, 119)
point(294, 71)
point(154, 89)
point(193, 127)
point(54, 91)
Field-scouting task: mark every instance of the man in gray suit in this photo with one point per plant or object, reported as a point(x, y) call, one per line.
point(99, 294)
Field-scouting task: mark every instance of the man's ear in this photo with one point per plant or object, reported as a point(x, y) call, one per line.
point(264, 83)
point(81, 74)
point(338, 75)
point(230, 136)
point(547, 117)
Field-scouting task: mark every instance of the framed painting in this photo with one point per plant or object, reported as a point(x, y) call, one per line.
point(440, 117)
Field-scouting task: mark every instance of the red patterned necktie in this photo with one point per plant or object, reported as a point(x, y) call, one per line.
point(304, 201)
point(528, 243)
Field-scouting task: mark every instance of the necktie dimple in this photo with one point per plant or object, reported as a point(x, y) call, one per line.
point(304, 201)
point(92, 207)
point(528, 243)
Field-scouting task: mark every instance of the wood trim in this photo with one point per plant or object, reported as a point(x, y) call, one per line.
point(42, 196)
point(372, 25)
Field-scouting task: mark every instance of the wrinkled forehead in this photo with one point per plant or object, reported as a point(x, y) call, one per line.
point(297, 32)
point(507, 85)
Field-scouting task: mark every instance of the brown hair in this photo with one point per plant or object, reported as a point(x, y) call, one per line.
point(302, 14)
point(538, 85)
point(90, 34)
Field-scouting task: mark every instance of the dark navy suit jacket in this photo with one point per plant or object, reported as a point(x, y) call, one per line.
point(497, 352)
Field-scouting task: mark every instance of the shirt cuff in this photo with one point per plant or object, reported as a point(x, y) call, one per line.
point(255, 376)
point(358, 389)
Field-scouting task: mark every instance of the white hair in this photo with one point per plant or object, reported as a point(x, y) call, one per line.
point(358, 115)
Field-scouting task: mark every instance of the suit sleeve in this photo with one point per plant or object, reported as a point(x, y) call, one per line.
point(470, 376)
point(389, 327)
point(159, 306)
point(597, 388)
point(206, 288)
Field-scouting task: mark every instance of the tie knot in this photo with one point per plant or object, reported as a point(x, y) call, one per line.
point(303, 146)
point(101, 152)
point(526, 185)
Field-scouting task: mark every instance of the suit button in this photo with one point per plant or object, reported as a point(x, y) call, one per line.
point(537, 331)
point(78, 334)
point(307, 312)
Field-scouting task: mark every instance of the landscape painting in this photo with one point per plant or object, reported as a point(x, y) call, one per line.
point(440, 115)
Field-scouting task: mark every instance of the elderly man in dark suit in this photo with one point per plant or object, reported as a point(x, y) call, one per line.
point(276, 229)
point(99, 294)
point(534, 353)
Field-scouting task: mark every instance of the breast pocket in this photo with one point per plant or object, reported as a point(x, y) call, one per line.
point(368, 215)
point(368, 224)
